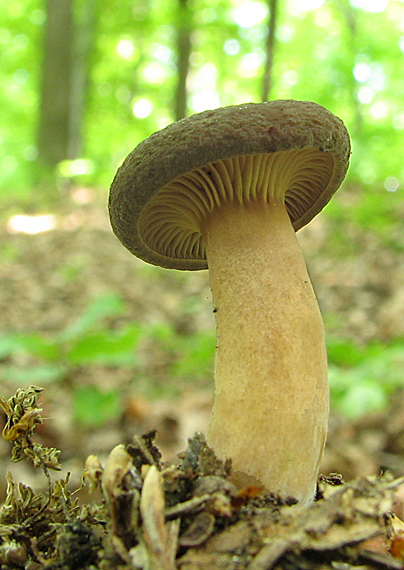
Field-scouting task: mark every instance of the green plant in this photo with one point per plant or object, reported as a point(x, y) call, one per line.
point(36, 358)
point(33, 357)
point(105, 405)
point(362, 378)
point(88, 341)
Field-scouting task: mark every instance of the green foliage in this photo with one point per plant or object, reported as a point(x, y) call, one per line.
point(20, 36)
point(106, 347)
point(93, 407)
point(197, 356)
point(87, 341)
point(93, 341)
point(110, 305)
point(38, 359)
point(363, 378)
point(329, 52)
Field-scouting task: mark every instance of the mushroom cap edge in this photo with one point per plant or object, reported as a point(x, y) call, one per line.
point(204, 138)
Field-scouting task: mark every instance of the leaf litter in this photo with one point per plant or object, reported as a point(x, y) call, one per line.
point(145, 514)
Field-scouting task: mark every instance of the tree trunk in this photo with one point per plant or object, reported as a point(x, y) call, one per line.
point(54, 120)
point(85, 24)
point(183, 54)
point(270, 47)
point(349, 14)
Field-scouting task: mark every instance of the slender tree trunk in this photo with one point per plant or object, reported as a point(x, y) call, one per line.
point(54, 120)
point(349, 14)
point(270, 49)
point(85, 20)
point(183, 55)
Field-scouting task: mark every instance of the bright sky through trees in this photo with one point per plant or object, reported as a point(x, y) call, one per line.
point(328, 52)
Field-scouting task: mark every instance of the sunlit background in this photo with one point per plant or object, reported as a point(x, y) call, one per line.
point(345, 55)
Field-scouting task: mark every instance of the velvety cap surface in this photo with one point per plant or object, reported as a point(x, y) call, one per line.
point(212, 136)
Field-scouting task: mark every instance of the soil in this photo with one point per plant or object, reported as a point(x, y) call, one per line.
point(150, 508)
point(142, 513)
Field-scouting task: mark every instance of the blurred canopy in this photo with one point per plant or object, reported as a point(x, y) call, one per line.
point(84, 81)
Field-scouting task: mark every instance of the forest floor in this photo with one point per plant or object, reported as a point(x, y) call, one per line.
point(167, 512)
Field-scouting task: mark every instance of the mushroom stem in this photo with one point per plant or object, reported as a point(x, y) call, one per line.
point(271, 401)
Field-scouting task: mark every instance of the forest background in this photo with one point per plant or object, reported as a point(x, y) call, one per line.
point(82, 82)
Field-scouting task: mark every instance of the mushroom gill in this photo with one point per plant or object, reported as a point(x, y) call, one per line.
point(172, 220)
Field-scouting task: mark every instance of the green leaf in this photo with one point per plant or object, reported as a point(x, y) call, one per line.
point(106, 347)
point(363, 398)
point(38, 375)
point(197, 356)
point(29, 343)
point(94, 407)
point(343, 353)
point(109, 305)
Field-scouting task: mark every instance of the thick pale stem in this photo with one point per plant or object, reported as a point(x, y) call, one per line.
point(271, 401)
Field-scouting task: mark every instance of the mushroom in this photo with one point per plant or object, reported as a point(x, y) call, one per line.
point(226, 190)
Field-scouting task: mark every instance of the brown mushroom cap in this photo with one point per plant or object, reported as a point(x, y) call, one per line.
point(153, 192)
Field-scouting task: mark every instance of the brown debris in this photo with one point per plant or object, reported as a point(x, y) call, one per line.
point(155, 534)
point(189, 516)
